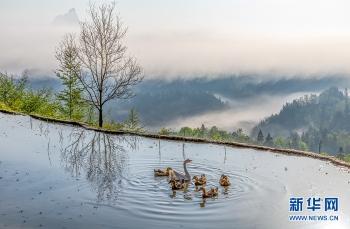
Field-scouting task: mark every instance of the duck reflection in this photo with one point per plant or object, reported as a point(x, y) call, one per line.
point(101, 157)
point(203, 202)
point(226, 190)
point(225, 158)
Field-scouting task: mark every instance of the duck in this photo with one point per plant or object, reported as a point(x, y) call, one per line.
point(200, 180)
point(178, 176)
point(161, 172)
point(224, 181)
point(211, 193)
point(177, 185)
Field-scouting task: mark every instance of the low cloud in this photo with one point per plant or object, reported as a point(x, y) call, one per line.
point(186, 52)
point(187, 55)
point(32, 46)
point(197, 54)
point(241, 114)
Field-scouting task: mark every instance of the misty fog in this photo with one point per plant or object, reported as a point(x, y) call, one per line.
point(239, 114)
point(181, 51)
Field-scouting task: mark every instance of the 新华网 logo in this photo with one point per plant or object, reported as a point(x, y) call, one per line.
point(313, 209)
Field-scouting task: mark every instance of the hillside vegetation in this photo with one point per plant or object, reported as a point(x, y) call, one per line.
point(320, 123)
point(17, 95)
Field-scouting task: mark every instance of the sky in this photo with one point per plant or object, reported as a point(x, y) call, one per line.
point(194, 37)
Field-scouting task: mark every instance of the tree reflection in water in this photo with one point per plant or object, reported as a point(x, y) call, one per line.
point(101, 157)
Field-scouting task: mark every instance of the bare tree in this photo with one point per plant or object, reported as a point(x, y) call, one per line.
point(102, 158)
point(108, 73)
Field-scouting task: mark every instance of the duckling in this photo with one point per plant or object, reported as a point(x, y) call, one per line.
point(211, 193)
point(160, 172)
point(224, 180)
point(200, 180)
point(177, 185)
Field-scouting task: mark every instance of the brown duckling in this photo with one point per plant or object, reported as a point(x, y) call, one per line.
point(177, 185)
point(165, 172)
point(200, 180)
point(224, 180)
point(211, 193)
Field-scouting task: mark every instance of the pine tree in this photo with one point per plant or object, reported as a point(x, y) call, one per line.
point(260, 137)
point(71, 97)
point(133, 121)
point(295, 140)
point(203, 131)
point(269, 140)
point(69, 68)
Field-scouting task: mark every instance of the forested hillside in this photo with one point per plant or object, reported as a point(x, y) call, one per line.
point(319, 123)
point(162, 101)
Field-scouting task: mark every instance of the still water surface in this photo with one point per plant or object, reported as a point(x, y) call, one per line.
point(58, 176)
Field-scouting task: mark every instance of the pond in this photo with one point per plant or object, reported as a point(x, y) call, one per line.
point(59, 176)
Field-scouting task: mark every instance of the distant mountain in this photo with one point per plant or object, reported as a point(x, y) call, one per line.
point(322, 122)
point(161, 101)
point(328, 110)
point(68, 19)
point(45, 82)
point(246, 86)
point(159, 108)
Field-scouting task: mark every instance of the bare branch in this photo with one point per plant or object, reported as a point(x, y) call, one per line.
point(108, 72)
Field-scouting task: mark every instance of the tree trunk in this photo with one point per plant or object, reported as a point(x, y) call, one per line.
point(319, 146)
point(100, 118)
point(100, 113)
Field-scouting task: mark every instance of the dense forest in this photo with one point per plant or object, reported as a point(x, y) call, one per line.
point(320, 123)
point(181, 98)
